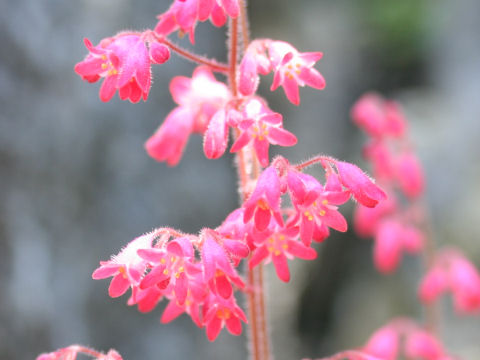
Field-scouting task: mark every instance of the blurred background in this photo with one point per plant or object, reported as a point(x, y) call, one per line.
point(76, 184)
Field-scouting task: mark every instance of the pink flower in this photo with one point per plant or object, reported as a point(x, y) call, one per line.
point(294, 69)
point(410, 175)
point(384, 343)
point(433, 284)
point(183, 15)
point(217, 267)
point(263, 127)
point(171, 268)
point(361, 186)
point(277, 244)
point(315, 206)
point(220, 312)
point(127, 268)
point(465, 285)
point(199, 98)
point(378, 117)
point(169, 141)
point(422, 345)
point(124, 63)
point(264, 201)
point(254, 62)
point(367, 219)
point(387, 252)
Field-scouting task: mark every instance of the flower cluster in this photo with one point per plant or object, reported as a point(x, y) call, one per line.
point(396, 223)
point(197, 273)
point(452, 272)
point(71, 352)
point(404, 336)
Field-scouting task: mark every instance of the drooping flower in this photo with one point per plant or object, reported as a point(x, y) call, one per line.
point(410, 175)
point(277, 244)
point(127, 268)
point(124, 63)
point(316, 205)
point(293, 69)
point(183, 15)
point(220, 312)
point(254, 62)
point(199, 98)
point(384, 343)
point(422, 345)
point(362, 187)
point(264, 200)
point(263, 127)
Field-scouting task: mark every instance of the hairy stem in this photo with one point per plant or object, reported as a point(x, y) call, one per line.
point(248, 171)
point(212, 64)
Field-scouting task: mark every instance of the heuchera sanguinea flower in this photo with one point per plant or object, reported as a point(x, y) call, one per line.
point(378, 117)
point(264, 200)
point(316, 205)
point(293, 69)
point(183, 15)
point(199, 98)
point(220, 312)
point(127, 268)
point(384, 343)
point(452, 272)
point(124, 63)
point(263, 127)
point(277, 244)
point(362, 187)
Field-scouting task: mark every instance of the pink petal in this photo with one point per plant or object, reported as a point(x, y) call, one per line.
point(335, 220)
point(234, 325)
point(181, 287)
point(258, 256)
point(105, 271)
point(171, 312)
point(223, 286)
point(108, 88)
point(213, 328)
point(281, 267)
point(216, 136)
point(118, 286)
point(280, 136)
point(312, 78)
point(301, 251)
point(290, 86)
point(262, 218)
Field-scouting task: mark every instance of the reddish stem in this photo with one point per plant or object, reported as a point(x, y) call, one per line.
point(213, 64)
point(322, 159)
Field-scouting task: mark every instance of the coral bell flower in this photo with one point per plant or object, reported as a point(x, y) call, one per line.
point(384, 343)
point(294, 69)
point(277, 245)
point(124, 63)
point(422, 345)
point(264, 201)
point(220, 312)
point(127, 268)
point(199, 98)
point(183, 15)
point(361, 186)
point(263, 127)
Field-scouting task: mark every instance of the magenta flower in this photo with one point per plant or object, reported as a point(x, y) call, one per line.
point(410, 175)
point(217, 267)
point(422, 345)
point(264, 201)
point(199, 98)
point(183, 15)
point(254, 62)
point(220, 312)
point(384, 343)
point(387, 252)
point(294, 69)
point(277, 244)
point(263, 127)
point(127, 268)
point(315, 206)
point(124, 63)
point(378, 117)
point(362, 187)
